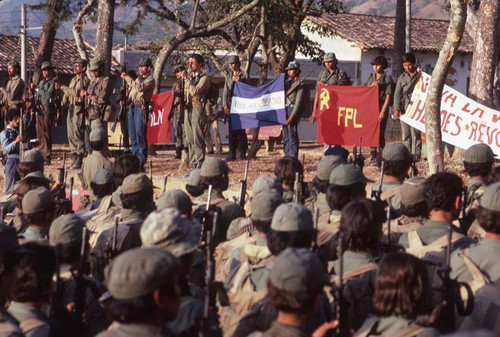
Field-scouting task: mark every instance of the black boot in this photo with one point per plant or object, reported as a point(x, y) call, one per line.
point(178, 153)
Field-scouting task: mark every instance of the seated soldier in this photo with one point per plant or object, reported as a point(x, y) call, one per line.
point(124, 165)
point(478, 264)
point(193, 183)
point(169, 230)
point(413, 207)
point(137, 203)
point(32, 289)
point(31, 161)
point(67, 230)
point(144, 285)
point(177, 199)
point(102, 186)
point(10, 255)
point(97, 159)
point(347, 183)
point(215, 172)
point(397, 161)
point(400, 299)
point(320, 184)
point(286, 169)
point(361, 233)
point(25, 185)
point(267, 182)
point(295, 290)
point(442, 193)
point(38, 212)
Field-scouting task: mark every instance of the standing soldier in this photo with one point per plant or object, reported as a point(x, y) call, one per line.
point(10, 140)
point(178, 110)
point(45, 110)
point(97, 95)
point(72, 95)
point(12, 95)
point(237, 138)
point(141, 91)
point(295, 99)
point(402, 99)
point(196, 87)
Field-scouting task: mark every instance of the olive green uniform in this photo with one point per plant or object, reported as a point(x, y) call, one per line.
point(8, 325)
point(386, 326)
point(100, 88)
point(484, 255)
point(395, 200)
point(13, 92)
point(176, 111)
point(402, 98)
point(45, 114)
point(28, 314)
point(195, 119)
point(93, 163)
point(76, 137)
point(336, 77)
point(132, 330)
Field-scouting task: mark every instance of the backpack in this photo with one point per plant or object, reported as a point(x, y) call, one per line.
point(223, 252)
point(410, 331)
point(100, 219)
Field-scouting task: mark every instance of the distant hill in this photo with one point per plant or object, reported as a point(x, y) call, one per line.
point(425, 9)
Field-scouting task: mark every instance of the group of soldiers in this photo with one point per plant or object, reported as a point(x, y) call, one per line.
point(319, 258)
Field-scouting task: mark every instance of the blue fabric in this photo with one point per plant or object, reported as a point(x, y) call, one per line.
point(137, 133)
point(10, 171)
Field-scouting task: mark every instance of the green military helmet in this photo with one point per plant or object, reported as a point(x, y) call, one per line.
point(66, 229)
point(38, 200)
point(214, 167)
point(264, 204)
point(168, 230)
point(326, 166)
point(31, 156)
point(491, 198)
point(412, 191)
point(396, 152)
point(292, 217)
point(145, 61)
point(134, 183)
point(267, 182)
point(329, 57)
point(479, 154)
point(293, 65)
point(347, 174)
point(46, 65)
point(95, 64)
point(175, 199)
point(140, 271)
point(298, 270)
point(102, 177)
point(194, 177)
point(98, 134)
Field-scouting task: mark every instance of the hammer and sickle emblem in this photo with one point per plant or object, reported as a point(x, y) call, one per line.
point(324, 97)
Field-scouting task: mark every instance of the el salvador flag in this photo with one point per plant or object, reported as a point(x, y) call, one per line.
point(253, 107)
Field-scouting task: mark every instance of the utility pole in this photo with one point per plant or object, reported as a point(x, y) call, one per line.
point(24, 42)
point(408, 27)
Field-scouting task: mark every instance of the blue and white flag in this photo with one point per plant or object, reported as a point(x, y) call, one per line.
point(253, 107)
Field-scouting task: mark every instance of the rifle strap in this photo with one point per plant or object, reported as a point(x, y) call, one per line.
point(418, 249)
point(295, 86)
point(387, 194)
point(31, 324)
point(479, 279)
point(356, 272)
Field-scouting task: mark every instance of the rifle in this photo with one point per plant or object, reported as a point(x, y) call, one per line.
point(58, 313)
point(151, 170)
point(180, 121)
point(123, 100)
point(377, 194)
point(83, 107)
point(463, 219)
point(56, 101)
point(414, 170)
point(354, 155)
point(2, 214)
point(80, 288)
point(111, 251)
point(296, 188)
point(243, 190)
point(358, 159)
point(165, 179)
point(21, 146)
point(70, 197)
point(315, 237)
point(205, 216)
point(340, 313)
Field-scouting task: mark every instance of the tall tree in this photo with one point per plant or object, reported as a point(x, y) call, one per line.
point(77, 28)
point(485, 57)
point(434, 138)
point(104, 32)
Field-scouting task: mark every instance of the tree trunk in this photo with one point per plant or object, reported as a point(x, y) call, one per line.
point(458, 14)
point(104, 35)
point(163, 55)
point(485, 57)
point(399, 39)
point(47, 38)
point(77, 29)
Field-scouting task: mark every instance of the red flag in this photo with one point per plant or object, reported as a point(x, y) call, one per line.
point(347, 112)
point(159, 127)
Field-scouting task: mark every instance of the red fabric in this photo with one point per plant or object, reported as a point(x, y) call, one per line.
point(345, 113)
point(159, 127)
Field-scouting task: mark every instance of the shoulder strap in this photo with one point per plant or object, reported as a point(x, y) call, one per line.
point(479, 279)
point(409, 331)
point(31, 324)
point(8, 329)
point(367, 328)
point(387, 194)
point(414, 241)
point(418, 249)
point(360, 270)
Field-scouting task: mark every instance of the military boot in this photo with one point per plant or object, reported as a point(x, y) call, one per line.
point(178, 153)
point(78, 162)
point(73, 160)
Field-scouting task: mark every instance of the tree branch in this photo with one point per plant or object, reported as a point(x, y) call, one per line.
point(77, 29)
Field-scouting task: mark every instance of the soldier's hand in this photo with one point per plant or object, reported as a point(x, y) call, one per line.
point(290, 120)
point(19, 139)
point(324, 328)
point(226, 110)
point(32, 85)
point(83, 93)
point(396, 114)
point(123, 75)
point(183, 74)
point(321, 83)
point(381, 116)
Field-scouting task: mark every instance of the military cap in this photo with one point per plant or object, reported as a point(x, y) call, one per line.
point(95, 64)
point(98, 134)
point(13, 63)
point(298, 269)
point(264, 204)
point(140, 271)
point(8, 240)
point(103, 176)
point(66, 229)
point(31, 156)
point(347, 174)
point(197, 57)
point(267, 183)
point(395, 151)
point(329, 57)
point(37, 174)
point(37, 200)
point(293, 65)
point(46, 65)
point(134, 183)
point(179, 68)
point(337, 150)
point(194, 177)
point(292, 217)
point(326, 166)
point(168, 230)
point(213, 167)
point(479, 153)
point(412, 191)
point(491, 198)
point(233, 59)
point(175, 199)
point(145, 61)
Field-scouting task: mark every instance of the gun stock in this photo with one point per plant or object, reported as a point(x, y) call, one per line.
point(316, 220)
point(243, 190)
point(296, 188)
point(165, 180)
